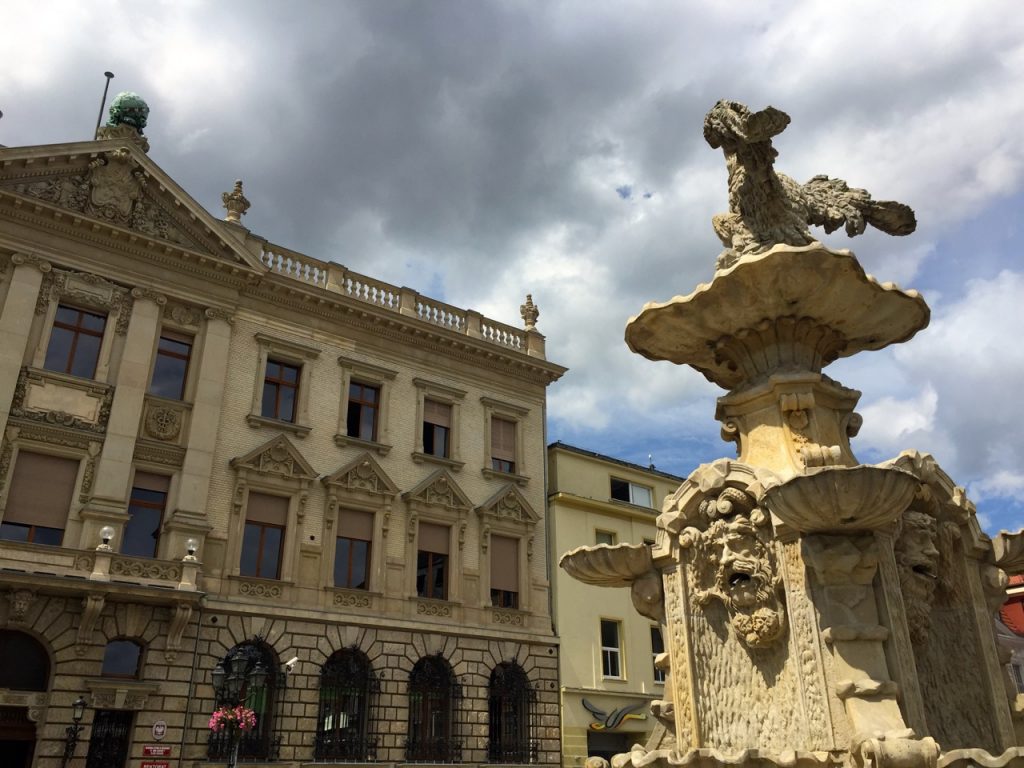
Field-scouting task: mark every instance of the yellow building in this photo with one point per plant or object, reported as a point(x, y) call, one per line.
point(232, 473)
point(607, 660)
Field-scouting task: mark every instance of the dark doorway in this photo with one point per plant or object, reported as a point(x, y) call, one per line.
point(604, 744)
point(17, 737)
point(109, 739)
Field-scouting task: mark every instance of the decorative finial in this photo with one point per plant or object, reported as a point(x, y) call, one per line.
point(529, 312)
point(235, 203)
point(767, 208)
point(129, 108)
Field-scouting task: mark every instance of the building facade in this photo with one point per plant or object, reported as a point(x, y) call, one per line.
point(608, 665)
point(232, 473)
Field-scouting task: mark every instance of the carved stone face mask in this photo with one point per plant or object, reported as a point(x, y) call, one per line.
point(917, 558)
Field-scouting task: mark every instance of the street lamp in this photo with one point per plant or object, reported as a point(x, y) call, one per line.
point(73, 731)
point(228, 684)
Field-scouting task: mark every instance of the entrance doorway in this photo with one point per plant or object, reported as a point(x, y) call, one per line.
point(17, 737)
point(110, 739)
point(605, 744)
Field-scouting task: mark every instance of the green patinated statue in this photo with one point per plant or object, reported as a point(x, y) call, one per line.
point(128, 108)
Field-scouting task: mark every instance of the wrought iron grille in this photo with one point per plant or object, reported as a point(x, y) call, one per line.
point(512, 716)
point(348, 724)
point(109, 739)
point(262, 742)
point(435, 727)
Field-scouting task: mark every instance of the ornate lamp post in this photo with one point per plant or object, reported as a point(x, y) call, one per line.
point(228, 684)
point(74, 730)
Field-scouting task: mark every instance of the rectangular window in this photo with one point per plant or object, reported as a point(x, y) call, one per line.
point(37, 505)
point(280, 391)
point(657, 648)
point(604, 537)
point(363, 409)
point(146, 511)
point(503, 445)
point(263, 541)
point(352, 550)
point(623, 490)
point(437, 425)
point(170, 370)
point(432, 561)
point(504, 572)
point(75, 342)
point(611, 649)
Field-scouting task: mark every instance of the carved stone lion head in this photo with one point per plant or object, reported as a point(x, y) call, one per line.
point(734, 563)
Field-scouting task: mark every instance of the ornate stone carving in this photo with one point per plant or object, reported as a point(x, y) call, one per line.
point(362, 475)
point(917, 561)
point(216, 313)
point(145, 569)
point(92, 607)
point(57, 418)
point(734, 563)
point(163, 423)
point(147, 293)
point(529, 312)
point(767, 208)
point(21, 601)
point(352, 600)
point(235, 203)
point(433, 609)
point(259, 589)
point(183, 315)
point(179, 620)
point(509, 618)
point(276, 457)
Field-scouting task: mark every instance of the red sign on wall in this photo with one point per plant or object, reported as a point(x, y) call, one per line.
point(155, 764)
point(156, 750)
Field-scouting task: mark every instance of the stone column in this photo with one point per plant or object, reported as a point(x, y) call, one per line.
point(189, 517)
point(113, 472)
point(16, 323)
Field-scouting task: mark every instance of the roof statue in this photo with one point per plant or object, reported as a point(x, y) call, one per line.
point(129, 108)
point(768, 208)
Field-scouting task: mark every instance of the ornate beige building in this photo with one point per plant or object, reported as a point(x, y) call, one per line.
point(608, 662)
point(232, 472)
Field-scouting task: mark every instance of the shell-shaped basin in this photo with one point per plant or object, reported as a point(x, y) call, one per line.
point(608, 565)
point(841, 499)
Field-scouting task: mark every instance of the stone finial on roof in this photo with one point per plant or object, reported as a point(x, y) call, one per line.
point(529, 312)
point(235, 203)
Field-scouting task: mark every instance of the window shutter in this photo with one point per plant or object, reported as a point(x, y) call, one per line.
point(503, 439)
point(264, 508)
point(437, 413)
point(434, 538)
point(41, 490)
point(355, 525)
point(150, 482)
point(505, 563)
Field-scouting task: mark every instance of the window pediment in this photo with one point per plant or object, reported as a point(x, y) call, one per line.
point(440, 490)
point(363, 474)
point(278, 457)
point(509, 504)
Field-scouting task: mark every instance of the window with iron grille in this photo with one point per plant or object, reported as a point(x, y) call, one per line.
point(262, 742)
point(75, 342)
point(109, 738)
point(511, 707)
point(348, 722)
point(433, 733)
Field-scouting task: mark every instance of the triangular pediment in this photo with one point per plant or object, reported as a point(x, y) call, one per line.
point(115, 183)
point(276, 457)
point(509, 504)
point(439, 489)
point(362, 474)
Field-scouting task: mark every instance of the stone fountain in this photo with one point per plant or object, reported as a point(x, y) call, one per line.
point(817, 611)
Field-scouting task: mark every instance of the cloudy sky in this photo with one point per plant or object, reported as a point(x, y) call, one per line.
point(479, 150)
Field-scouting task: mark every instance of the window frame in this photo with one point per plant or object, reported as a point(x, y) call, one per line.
point(631, 486)
point(146, 505)
point(507, 513)
point(76, 331)
point(612, 535)
point(366, 374)
point(138, 662)
point(72, 520)
point(259, 551)
point(618, 651)
point(179, 337)
point(517, 415)
point(289, 353)
point(659, 674)
point(444, 395)
point(367, 564)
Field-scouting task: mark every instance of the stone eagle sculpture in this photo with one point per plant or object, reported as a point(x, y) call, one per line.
point(768, 208)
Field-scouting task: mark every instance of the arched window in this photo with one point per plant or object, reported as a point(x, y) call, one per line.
point(122, 658)
point(31, 672)
point(348, 693)
point(510, 705)
point(433, 696)
point(262, 742)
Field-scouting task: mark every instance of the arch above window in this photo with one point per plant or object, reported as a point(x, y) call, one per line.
point(122, 658)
